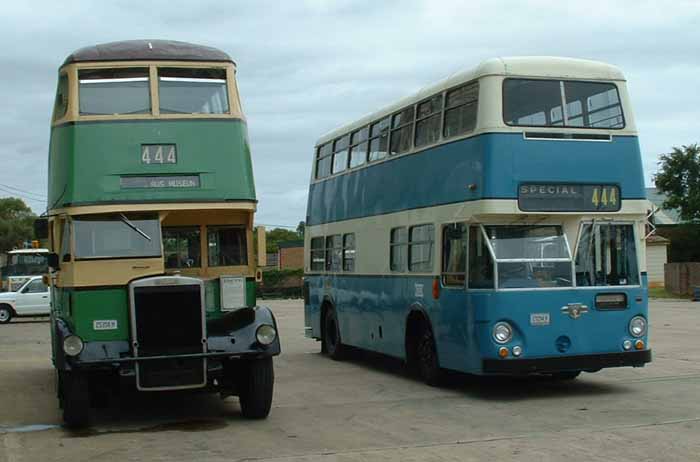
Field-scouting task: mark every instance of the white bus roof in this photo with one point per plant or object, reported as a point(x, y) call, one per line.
point(522, 66)
point(30, 251)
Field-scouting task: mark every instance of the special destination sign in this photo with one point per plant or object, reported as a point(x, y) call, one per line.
point(551, 197)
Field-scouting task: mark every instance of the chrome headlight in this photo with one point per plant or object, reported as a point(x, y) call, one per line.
point(73, 345)
point(638, 326)
point(266, 334)
point(502, 332)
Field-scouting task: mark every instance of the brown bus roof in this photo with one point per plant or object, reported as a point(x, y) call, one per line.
point(147, 50)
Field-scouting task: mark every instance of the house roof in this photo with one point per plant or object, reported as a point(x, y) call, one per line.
point(662, 216)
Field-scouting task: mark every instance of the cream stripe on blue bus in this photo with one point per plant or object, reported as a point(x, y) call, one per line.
point(492, 223)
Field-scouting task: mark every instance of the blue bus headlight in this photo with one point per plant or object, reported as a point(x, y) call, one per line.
point(266, 334)
point(502, 332)
point(73, 345)
point(638, 326)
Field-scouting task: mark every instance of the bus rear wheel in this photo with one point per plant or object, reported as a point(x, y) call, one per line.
point(74, 398)
point(5, 314)
point(332, 344)
point(255, 388)
point(427, 360)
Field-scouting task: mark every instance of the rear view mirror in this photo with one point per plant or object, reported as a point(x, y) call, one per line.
point(52, 260)
point(41, 228)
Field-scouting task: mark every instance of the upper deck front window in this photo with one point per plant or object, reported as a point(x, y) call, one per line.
point(192, 91)
point(557, 103)
point(114, 91)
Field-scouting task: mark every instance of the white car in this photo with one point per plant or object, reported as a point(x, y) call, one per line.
point(32, 299)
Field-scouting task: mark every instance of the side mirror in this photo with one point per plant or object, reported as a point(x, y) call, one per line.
point(41, 228)
point(52, 260)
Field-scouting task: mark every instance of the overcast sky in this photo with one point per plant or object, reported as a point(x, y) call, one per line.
point(305, 67)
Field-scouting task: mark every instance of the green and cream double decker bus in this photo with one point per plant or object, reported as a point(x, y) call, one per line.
point(150, 223)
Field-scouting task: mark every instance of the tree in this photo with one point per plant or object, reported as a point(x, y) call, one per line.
point(16, 223)
point(679, 179)
point(300, 229)
point(277, 235)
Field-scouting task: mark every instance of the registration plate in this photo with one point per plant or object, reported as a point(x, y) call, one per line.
point(104, 324)
point(539, 319)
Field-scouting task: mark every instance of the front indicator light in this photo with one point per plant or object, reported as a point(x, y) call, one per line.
point(73, 345)
point(503, 352)
point(266, 334)
point(638, 326)
point(627, 345)
point(639, 344)
point(517, 350)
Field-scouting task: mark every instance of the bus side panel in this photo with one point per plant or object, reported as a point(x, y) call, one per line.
point(494, 163)
point(373, 310)
point(455, 326)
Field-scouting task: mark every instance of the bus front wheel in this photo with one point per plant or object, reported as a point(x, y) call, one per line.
point(427, 359)
point(332, 344)
point(255, 388)
point(74, 398)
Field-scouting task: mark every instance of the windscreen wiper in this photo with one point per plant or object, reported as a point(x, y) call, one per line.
point(128, 223)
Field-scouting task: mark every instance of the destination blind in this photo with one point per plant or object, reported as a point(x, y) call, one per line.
point(559, 197)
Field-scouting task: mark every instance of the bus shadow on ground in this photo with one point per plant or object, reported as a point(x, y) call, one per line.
point(132, 412)
point(500, 388)
point(29, 321)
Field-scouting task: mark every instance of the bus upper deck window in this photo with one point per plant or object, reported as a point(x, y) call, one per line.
point(193, 91)
point(114, 91)
point(61, 103)
point(539, 103)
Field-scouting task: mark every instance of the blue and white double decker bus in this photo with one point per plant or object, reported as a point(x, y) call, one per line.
point(492, 223)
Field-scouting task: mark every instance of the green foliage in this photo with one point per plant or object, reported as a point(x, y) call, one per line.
point(16, 223)
point(679, 179)
point(274, 278)
point(685, 242)
point(300, 229)
point(277, 235)
point(281, 283)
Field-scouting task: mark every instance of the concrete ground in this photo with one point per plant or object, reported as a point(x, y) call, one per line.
point(368, 409)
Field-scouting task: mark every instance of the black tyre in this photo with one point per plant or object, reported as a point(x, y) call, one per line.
point(255, 387)
point(75, 395)
point(332, 343)
point(6, 314)
point(428, 365)
point(565, 375)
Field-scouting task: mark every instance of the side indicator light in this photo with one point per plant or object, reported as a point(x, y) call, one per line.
point(436, 288)
point(639, 344)
point(503, 352)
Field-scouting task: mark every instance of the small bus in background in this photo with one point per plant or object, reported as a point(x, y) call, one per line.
point(151, 229)
point(492, 223)
point(20, 265)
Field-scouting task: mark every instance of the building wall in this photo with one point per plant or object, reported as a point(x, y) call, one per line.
point(682, 278)
point(291, 258)
point(657, 257)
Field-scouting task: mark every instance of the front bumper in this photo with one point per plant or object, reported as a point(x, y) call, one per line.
point(566, 363)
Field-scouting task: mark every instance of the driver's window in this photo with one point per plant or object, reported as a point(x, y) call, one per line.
point(35, 287)
point(182, 247)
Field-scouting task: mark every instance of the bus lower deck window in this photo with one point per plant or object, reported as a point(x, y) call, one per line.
point(227, 246)
point(182, 247)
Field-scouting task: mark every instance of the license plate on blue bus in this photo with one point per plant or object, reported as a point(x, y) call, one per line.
point(539, 319)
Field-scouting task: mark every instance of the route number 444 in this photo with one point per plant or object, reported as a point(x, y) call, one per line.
point(605, 197)
point(158, 154)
